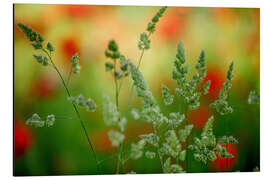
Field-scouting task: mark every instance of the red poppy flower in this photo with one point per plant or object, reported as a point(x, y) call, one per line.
point(23, 139)
point(217, 78)
point(44, 87)
point(69, 47)
point(203, 113)
point(220, 164)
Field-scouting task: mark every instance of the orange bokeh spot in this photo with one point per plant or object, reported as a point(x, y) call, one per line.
point(170, 26)
point(102, 142)
point(78, 11)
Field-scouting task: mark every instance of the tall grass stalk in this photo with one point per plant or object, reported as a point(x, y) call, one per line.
point(76, 110)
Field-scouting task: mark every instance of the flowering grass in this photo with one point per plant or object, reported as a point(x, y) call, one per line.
point(173, 139)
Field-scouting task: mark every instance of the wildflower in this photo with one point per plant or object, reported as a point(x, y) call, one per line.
point(23, 139)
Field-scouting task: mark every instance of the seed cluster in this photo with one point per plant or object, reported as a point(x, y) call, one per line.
point(168, 134)
point(36, 121)
point(89, 104)
point(112, 118)
point(221, 105)
point(114, 54)
point(253, 98)
point(189, 89)
point(75, 64)
point(168, 98)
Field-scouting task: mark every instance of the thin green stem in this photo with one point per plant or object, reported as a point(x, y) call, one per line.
point(69, 75)
point(132, 87)
point(117, 89)
point(76, 110)
point(119, 163)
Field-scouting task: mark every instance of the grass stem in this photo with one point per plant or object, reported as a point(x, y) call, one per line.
point(117, 89)
point(76, 110)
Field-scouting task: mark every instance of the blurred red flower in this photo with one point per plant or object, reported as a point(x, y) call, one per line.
point(69, 47)
point(170, 26)
point(77, 10)
point(217, 78)
point(23, 139)
point(44, 87)
point(203, 113)
point(102, 142)
point(220, 164)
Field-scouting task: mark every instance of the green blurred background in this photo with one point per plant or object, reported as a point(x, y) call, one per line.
point(225, 33)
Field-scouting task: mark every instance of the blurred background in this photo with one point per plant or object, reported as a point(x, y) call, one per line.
point(226, 34)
